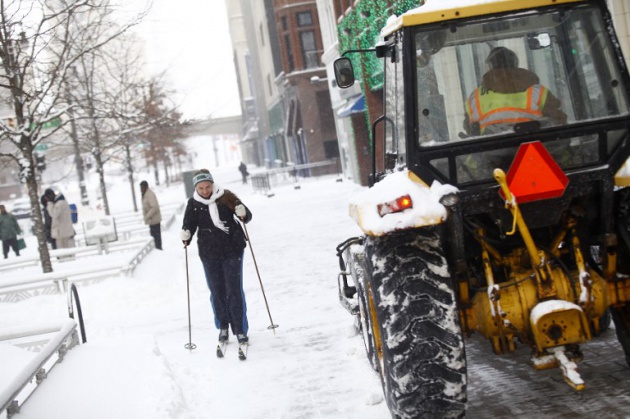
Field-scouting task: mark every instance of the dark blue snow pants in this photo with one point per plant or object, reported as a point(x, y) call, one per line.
point(225, 281)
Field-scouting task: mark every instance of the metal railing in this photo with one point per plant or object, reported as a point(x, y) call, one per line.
point(73, 299)
point(64, 338)
point(24, 384)
point(18, 289)
point(263, 182)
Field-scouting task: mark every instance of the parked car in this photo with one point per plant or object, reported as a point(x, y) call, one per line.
point(21, 208)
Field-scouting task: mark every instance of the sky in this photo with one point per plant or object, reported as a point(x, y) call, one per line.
point(190, 40)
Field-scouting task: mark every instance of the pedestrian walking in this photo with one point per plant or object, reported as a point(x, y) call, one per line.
point(9, 230)
point(211, 213)
point(61, 228)
point(47, 222)
point(151, 213)
point(244, 173)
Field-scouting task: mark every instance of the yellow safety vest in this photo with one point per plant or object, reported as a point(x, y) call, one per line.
point(492, 108)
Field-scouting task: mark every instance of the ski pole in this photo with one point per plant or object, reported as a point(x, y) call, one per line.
point(190, 346)
point(272, 326)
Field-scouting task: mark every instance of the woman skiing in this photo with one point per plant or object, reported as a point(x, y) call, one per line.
point(211, 213)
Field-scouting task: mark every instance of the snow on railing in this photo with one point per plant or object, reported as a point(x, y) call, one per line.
point(58, 282)
point(18, 289)
point(26, 381)
point(25, 261)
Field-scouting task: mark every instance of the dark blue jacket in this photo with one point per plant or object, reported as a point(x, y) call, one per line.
point(213, 242)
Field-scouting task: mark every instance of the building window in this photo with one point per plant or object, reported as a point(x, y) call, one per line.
point(284, 23)
point(331, 149)
point(304, 19)
point(290, 59)
point(309, 49)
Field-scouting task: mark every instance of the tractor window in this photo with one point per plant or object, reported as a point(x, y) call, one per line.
point(523, 72)
point(394, 110)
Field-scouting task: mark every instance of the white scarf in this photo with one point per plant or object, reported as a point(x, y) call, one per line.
point(212, 206)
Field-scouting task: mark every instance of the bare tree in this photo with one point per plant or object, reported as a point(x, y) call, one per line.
point(125, 110)
point(40, 41)
point(165, 128)
point(87, 91)
point(125, 69)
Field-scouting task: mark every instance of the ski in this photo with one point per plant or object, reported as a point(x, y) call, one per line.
point(221, 348)
point(242, 351)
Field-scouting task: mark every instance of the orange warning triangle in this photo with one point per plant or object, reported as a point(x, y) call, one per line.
point(535, 175)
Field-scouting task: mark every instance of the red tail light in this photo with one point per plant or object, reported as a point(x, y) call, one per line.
point(400, 204)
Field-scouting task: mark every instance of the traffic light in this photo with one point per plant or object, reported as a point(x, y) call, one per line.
point(40, 162)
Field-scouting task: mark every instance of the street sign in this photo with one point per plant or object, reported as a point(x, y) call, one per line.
point(53, 123)
point(41, 147)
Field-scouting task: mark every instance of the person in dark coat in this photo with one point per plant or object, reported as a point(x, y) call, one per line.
point(9, 230)
point(244, 173)
point(47, 222)
point(211, 213)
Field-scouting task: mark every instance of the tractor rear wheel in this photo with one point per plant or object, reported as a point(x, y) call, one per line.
point(621, 315)
point(621, 318)
point(365, 299)
point(423, 361)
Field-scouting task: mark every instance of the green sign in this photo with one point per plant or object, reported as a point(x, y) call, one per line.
point(41, 147)
point(53, 123)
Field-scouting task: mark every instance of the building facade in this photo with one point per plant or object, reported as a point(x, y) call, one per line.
point(287, 111)
point(347, 104)
point(251, 144)
point(309, 122)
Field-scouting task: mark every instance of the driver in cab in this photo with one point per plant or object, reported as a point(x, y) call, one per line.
point(509, 95)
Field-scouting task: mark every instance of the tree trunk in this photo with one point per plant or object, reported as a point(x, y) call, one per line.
point(129, 165)
point(36, 216)
point(101, 181)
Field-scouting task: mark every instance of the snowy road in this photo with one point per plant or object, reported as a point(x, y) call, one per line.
point(508, 387)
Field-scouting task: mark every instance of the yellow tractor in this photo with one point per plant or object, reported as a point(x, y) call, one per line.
point(500, 200)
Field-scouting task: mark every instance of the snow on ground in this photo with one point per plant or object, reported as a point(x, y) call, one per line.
point(134, 363)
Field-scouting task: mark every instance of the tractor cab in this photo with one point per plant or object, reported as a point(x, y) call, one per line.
point(466, 85)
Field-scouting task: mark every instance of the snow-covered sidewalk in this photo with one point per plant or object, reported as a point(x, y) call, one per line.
point(135, 364)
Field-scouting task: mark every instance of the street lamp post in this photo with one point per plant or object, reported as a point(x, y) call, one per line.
point(78, 161)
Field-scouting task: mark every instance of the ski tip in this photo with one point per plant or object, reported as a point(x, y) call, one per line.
point(242, 351)
point(220, 352)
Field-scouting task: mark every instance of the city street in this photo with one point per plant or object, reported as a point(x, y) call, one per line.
point(508, 387)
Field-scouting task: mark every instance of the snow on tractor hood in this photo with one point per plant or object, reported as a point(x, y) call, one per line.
point(425, 204)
